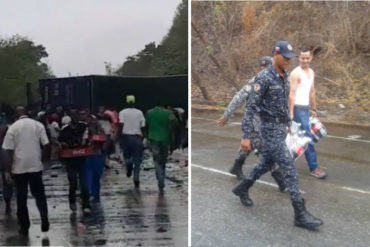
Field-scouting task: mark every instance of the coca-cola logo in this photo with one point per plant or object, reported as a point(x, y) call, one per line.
point(78, 151)
point(299, 150)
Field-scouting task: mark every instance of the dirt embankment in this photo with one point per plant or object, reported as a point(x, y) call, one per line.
point(229, 38)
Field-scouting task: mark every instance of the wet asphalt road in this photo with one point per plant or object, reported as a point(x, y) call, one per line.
point(124, 217)
point(342, 200)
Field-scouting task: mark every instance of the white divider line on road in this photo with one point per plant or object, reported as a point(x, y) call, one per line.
point(356, 190)
point(68, 243)
point(348, 139)
point(230, 175)
point(330, 136)
point(201, 118)
point(268, 183)
point(202, 124)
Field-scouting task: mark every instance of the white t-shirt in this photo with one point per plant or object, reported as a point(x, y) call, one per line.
point(25, 137)
point(302, 95)
point(106, 126)
point(133, 120)
point(54, 130)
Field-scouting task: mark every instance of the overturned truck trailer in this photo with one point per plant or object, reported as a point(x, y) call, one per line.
point(94, 90)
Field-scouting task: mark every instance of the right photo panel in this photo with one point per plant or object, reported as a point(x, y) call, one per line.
point(280, 123)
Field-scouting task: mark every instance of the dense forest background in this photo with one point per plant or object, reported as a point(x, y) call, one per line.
point(229, 38)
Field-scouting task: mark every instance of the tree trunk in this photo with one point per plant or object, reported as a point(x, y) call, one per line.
point(195, 77)
point(214, 60)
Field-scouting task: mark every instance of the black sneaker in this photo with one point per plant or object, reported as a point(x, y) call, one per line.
point(8, 209)
point(23, 232)
point(161, 191)
point(73, 206)
point(45, 226)
point(129, 170)
point(137, 184)
point(96, 199)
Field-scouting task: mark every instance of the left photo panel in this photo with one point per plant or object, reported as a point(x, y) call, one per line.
point(94, 123)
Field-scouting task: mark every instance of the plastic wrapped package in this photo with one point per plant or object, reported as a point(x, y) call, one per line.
point(296, 141)
point(318, 130)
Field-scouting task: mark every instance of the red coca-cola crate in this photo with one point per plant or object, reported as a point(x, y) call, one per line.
point(75, 152)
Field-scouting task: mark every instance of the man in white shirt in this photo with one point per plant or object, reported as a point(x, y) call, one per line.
point(24, 165)
point(301, 98)
point(132, 122)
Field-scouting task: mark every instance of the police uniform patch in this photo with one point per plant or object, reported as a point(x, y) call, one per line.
point(257, 87)
point(248, 88)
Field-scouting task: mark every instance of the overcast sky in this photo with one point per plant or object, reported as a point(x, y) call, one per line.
point(80, 35)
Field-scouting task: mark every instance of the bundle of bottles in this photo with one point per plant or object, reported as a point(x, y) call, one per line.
point(297, 140)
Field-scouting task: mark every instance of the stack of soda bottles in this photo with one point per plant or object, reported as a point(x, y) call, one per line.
point(297, 141)
point(318, 130)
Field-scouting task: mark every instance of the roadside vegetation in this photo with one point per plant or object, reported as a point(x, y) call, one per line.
point(229, 38)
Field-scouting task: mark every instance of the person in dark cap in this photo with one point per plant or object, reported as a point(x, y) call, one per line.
point(268, 97)
point(242, 95)
point(238, 99)
point(265, 62)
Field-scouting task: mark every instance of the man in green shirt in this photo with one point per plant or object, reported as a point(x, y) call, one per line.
point(160, 123)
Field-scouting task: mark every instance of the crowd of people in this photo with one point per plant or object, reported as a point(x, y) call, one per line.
point(83, 142)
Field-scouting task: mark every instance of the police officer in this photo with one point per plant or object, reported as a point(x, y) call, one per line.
point(241, 155)
point(269, 97)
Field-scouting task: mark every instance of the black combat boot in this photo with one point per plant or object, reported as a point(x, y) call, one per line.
point(241, 190)
point(236, 169)
point(302, 217)
point(129, 167)
point(8, 208)
point(279, 179)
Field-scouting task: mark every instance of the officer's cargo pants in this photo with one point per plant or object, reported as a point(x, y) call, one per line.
point(274, 150)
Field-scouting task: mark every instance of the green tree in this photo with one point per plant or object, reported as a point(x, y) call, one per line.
point(140, 63)
point(20, 63)
point(170, 57)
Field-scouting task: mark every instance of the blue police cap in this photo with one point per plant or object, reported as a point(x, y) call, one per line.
point(284, 48)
